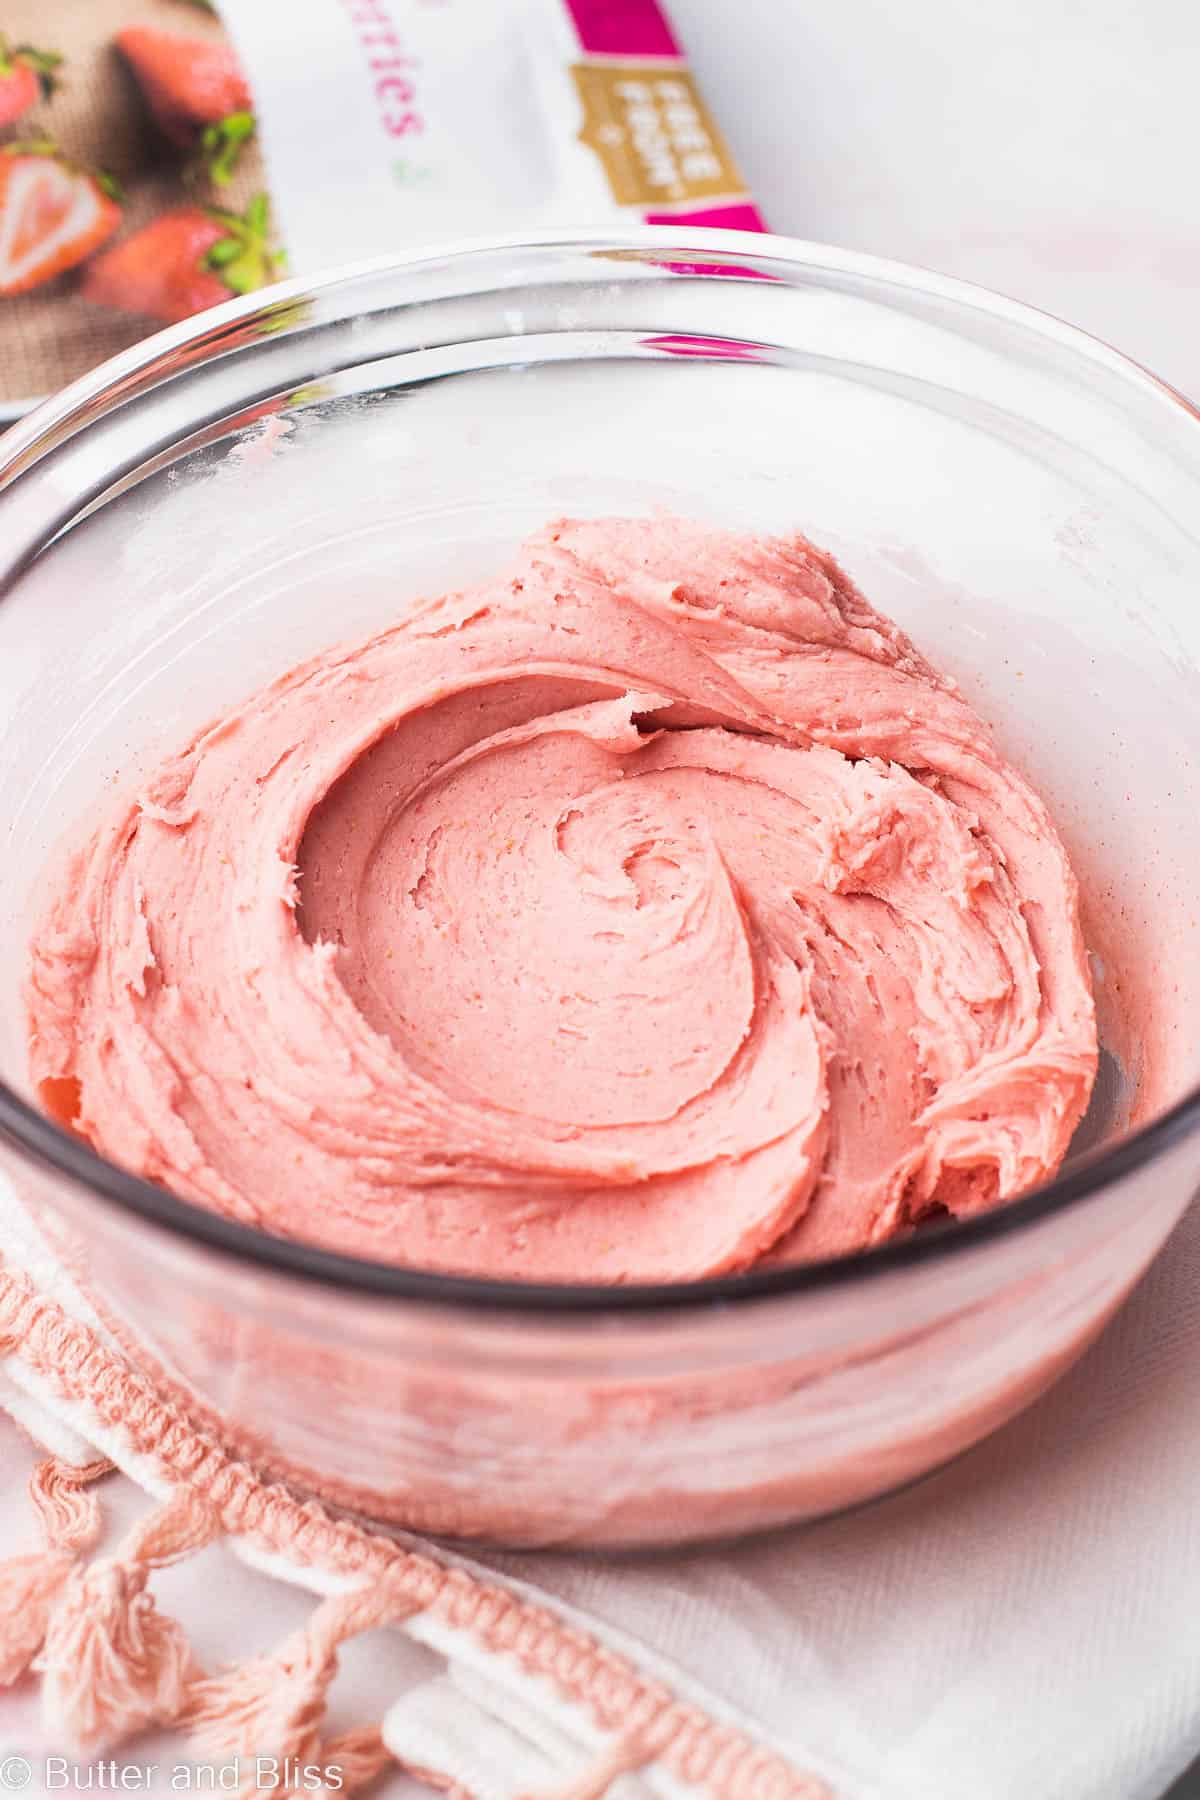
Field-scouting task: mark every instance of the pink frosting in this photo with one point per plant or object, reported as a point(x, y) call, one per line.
point(650, 912)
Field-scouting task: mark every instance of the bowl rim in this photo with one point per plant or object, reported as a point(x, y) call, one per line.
point(37, 1137)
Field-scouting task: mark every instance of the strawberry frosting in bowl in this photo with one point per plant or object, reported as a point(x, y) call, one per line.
point(495, 1057)
point(649, 912)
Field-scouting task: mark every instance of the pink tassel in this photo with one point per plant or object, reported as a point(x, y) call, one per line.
point(111, 1663)
point(360, 1757)
point(30, 1585)
point(275, 1705)
point(270, 1706)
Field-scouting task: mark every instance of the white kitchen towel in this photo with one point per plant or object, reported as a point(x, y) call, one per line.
point(1022, 1624)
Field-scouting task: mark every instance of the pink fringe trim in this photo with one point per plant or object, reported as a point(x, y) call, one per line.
point(275, 1705)
point(112, 1663)
point(30, 1585)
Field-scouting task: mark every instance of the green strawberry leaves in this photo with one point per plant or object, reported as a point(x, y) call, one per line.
point(223, 142)
point(258, 215)
point(223, 252)
point(42, 146)
point(242, 257)
point(44, 63)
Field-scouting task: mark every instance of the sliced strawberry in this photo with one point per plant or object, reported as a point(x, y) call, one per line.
point(52, 215)
point(188, 82)
point(184, 262)
point(26, 75)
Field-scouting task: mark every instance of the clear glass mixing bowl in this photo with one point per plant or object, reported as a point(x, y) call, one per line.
point(286, 471)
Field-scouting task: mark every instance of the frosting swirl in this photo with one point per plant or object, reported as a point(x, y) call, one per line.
point(652, 911)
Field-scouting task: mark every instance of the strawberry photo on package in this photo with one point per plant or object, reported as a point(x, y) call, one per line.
point(132, 190)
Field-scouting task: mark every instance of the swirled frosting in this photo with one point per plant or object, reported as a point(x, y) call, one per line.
point(650, 912)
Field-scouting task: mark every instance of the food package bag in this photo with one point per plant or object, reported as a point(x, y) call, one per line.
point(157, 157)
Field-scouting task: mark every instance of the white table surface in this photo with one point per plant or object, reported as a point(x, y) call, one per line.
point(1046, 148)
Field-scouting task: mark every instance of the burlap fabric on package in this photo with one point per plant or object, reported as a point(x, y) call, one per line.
point(99, 121)
point(909, 1651)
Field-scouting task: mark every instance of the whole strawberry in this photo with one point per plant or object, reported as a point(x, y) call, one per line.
point(52, 215)
point(184, 262)
point(26, 75)
point(188, 82)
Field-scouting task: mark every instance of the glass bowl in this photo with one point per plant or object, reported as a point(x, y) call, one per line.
point(286, 471)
